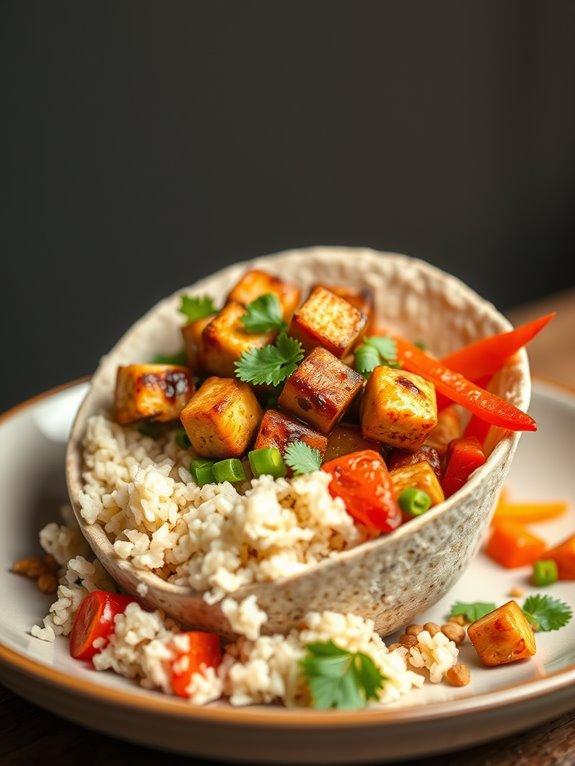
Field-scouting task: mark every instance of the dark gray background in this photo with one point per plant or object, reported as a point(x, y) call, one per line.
point(146, 144)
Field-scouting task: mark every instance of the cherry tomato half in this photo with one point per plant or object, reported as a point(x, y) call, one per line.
point(95, 619)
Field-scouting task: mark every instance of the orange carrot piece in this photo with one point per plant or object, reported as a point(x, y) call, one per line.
point(564, 556)
point(513, 545)
point(527, 513)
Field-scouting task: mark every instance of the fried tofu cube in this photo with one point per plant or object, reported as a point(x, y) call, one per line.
point(398, 408)
point(363, 299)
point(320, 390)
point(447, 429)
point(192, 334)
point(345, 439)
point(419, 475)
point(256, 282)
point(398, 458)
point(328, 321)
point(221, 418)
point(157, 391)
point(278, 430)
point(224, 339)
point(502, 636)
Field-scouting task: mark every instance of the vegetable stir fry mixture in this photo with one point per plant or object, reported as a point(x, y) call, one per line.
point(286, 431)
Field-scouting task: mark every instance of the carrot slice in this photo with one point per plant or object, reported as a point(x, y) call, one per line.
point(513, 545)
point(564, 556)
point(528, 512)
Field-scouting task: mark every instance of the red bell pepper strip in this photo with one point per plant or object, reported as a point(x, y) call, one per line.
point(463, 457)
point(363, 482)
point(486, 356)
point(485, 404)
point(480, 360)
point(478, 428)
point(204, 649)
point(95, 619)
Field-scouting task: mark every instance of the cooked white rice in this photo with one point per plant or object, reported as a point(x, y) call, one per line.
point(214, 539)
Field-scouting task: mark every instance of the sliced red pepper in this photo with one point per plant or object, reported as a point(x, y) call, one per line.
point(95, 619)
point(463, 457)
point(487, 356)
point(478, 428)
point(362, 481)
point(458, 389)
point(204, 650)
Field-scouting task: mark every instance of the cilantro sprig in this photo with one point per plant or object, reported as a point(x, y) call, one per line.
point(197, 306)
point(338, 678)
point(471, 611)
point(546, 613)
point(271, 364)
point(264, 314)
point(302, 458)
point(374, 352)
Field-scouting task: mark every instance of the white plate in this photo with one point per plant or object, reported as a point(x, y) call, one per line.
point(498, 701)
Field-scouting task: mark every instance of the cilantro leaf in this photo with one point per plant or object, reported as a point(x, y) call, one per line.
point(473, 611)
point(271, 364)
point(302, 458)
point(264, 314)
point(338, 678)
point(180, 359)
point(546, 613)
point(197, 306)
point(374, 352)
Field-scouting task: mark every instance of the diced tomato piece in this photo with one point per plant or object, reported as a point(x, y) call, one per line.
point(513, 545)
point(362, 481)
point(204, 650)
point(95, 619)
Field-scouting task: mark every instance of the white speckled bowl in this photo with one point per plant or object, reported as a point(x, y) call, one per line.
point(395, 577)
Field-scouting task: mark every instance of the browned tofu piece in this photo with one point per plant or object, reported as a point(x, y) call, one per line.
point(329, 321)
point(502, 636)
point(192, 334)
point(224, 339)
point(419, 475)
point(448, 428)
point(398, 408)
point(255, 283)
point(402, 457)
point(221, 418)
point(363, 299)
point(278, 430)
point(320, 390)
point(347, 438)
point(157, 391)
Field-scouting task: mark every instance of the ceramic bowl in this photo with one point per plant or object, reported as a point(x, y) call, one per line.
point(390, 579)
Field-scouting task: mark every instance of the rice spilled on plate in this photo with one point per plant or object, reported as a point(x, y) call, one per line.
point(215, 539)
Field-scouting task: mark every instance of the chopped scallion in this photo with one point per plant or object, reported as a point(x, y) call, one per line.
point(203, 471)
point(414, 501)
point(267, 460)
point(230, 470)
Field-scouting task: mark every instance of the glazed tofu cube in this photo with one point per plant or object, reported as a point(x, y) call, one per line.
point(363, 299)
point(398, 458)
point(192, 334)
point(278, 430)
point(320, 390)
point(347, 438)
point(224, 339)
point(502, 636)
point(157, 391)
point(419, 475)
point(221, 418)
point(329, 321)
point(256, 282)
point(398, 408)
point(447, 429)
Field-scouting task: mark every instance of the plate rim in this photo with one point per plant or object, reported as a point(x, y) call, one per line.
point(284, 718)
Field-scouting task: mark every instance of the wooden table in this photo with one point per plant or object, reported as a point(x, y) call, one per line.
point(30, 735)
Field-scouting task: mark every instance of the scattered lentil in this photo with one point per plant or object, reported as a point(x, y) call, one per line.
point(458, 675)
